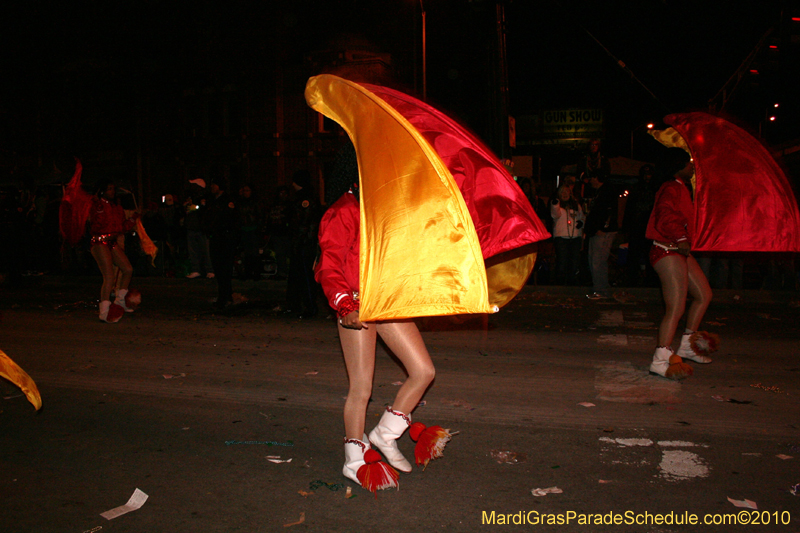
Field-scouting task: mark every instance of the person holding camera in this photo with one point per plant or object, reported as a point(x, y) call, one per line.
point(568, 218)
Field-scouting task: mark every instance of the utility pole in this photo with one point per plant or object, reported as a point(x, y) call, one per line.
point(501, 84)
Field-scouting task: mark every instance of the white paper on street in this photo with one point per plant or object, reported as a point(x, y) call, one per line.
point(135, 502)
point(545, 492)
point(747, 504)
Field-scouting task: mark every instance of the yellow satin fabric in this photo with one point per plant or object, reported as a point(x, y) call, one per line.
point(419, 252)
point(12, 372)
point(507, 273)
point(146, 243)
point(672, 139)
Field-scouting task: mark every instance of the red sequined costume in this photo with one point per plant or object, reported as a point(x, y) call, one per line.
point(337, 268)
point(108, 222)
point(671, 221)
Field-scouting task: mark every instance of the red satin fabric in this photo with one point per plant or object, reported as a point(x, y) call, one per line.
point(74, 209)
point(503, 217)
point(743, 200)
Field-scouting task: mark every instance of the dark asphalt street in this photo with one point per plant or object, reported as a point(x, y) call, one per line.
point(187, 404)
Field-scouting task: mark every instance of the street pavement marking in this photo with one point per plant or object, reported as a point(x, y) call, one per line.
point(620, 381)
point(679, 444)
point(610, 319)
point(679, 465)
point(614, 340)
point(643, 340)
point(628, 442)
point(675, 465)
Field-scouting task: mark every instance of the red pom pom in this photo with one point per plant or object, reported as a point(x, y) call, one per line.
point(704, 343)
point(377, 475)
point(430, 443)
point(416, 430)
point(371, 456)
point(133, 299)
point(115, 312)
point(679, 370)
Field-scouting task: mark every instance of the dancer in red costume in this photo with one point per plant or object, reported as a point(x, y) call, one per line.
point(338, 273)
point(108, 225)
point(671, 226)
point(431, 188)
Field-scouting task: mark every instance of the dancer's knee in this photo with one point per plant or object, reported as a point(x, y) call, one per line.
point(359, 395)
point(424, 374)
point(706, 296)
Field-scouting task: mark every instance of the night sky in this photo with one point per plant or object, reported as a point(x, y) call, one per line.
point(88, 62)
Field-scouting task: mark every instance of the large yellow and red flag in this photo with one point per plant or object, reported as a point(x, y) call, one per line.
point(436, 206)
point(743, 201)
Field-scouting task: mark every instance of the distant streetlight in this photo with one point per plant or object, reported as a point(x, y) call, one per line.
point(768, 117)
point(649, 126)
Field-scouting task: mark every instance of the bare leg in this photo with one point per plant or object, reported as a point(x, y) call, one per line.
point(105, 261)
point(403, 338)
point(672, 271)
point(117, 270)
point(701, 294)
point(358, 346)
point(125, 268)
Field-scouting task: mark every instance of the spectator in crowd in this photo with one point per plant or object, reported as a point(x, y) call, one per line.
point(638, 207)
point(592, 164)
point(602, 225)
point(196, 238)
point(250, 225)
point(568, 220)
point(301, 292)
point(222, 223)
point(278, 228)
point(171, 214)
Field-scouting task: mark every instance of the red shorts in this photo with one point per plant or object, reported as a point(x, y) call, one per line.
point(657, 253)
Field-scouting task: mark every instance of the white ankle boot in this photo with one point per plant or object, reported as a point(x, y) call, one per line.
point(667, 364)
point(391, 426)
point(687, 352)
point(110, 313)
point(120, 300)
point(354, 450)
point(660, 362)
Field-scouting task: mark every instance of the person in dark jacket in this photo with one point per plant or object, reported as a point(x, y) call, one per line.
point(637, 213)
point(602, 225)
point(250, 223)
point(301, 290)
point(594, 163)
point(222, 223)
point(196, 238)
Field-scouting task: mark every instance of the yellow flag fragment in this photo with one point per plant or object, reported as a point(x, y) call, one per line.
point(12, 372)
